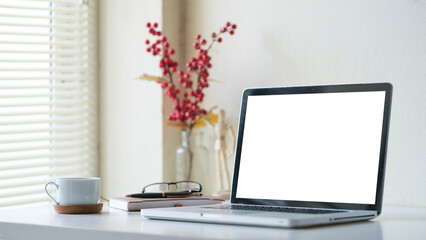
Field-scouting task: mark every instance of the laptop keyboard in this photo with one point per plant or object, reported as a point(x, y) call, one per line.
point(276, 209)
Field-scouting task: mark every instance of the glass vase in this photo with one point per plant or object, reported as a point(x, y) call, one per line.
point(184, 157)
point(202, 161)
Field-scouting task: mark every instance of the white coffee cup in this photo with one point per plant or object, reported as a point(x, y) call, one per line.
point(76, 191)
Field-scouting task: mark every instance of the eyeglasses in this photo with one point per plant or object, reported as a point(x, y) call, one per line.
point(181, 186)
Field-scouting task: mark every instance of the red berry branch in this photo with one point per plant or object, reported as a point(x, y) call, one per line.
point(187, 91)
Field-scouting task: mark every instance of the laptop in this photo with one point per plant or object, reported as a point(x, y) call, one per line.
point(305, 156)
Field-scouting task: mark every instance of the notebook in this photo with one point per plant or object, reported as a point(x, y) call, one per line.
point(305, 156)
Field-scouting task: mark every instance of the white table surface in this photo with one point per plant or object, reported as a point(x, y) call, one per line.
point(44, 223)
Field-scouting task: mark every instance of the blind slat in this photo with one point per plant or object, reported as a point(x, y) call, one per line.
point(45, 163)
point(38, 156)
point(51, 61)
point(51, 138)
point(69, 95)
point(49, 43)
point(45, 86)
point(80, 144)
point(51, 112)
point(45, 130)
point(62, 70)
point(47, 52)
point(51, 121)
point(42, 172)
point(28, 199)
point(75, 2)
point(40, 104)
point(59, 78)
point(49, 17)
point(22, 183)
point(57, 9)
point(51, 26)
point(21, 193)
point(62, 35)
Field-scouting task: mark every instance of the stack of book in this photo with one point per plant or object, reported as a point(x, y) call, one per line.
point(136, 204)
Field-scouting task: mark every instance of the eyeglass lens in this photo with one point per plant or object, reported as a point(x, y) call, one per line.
point(173, 187)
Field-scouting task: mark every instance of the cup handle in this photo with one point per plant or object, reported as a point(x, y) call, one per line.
point(45, 189)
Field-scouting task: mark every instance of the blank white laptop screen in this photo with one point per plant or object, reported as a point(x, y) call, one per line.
point(321, 147)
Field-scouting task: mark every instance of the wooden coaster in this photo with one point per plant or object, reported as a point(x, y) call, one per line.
point(79, 209)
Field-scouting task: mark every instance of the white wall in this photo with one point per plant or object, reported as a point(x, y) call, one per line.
point(321, 42)
point(276, 43)
point(130, 110)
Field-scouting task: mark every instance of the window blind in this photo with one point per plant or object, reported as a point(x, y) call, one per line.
point(47, 96)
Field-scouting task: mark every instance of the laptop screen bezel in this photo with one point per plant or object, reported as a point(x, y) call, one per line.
point(387, 87)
